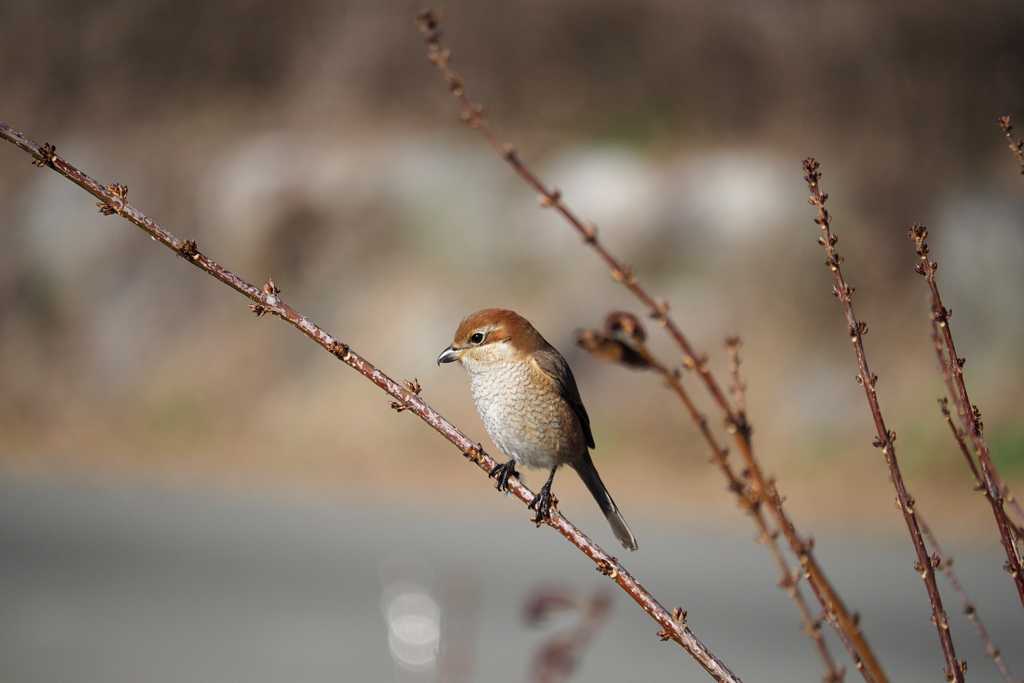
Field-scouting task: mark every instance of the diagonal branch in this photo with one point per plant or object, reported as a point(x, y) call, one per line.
point(113, 199)
point(951, 366)
point(946, 565)
point(624, 340)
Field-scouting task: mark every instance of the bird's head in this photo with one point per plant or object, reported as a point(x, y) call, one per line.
point(490, 336)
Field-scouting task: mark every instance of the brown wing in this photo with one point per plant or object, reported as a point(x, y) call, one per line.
point(550, 363)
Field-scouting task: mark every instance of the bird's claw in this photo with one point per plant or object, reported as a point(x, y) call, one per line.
point(502, 473)
point(542, 504)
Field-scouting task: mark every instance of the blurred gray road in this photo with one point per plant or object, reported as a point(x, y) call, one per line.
point(111, 585)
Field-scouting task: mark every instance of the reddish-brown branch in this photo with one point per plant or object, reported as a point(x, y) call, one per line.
point(925, 564)
point(1016, 145)
point(113, 199)
point(474, 116)
point(951, 366)
point(750, 499)
point(623, 340)
point(946, 565)
point(961, 441)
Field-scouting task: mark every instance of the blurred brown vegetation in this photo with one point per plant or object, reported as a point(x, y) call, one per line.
point(312, 142)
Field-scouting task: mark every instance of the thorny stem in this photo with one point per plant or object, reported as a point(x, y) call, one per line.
point(113, 199)
point(925, 565)
point(951, 366)
point(475, 117)
point(946, 565)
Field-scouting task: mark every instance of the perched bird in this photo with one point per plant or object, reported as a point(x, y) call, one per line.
point(528, 401)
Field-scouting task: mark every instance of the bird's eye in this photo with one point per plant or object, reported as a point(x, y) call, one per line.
point(476, 337)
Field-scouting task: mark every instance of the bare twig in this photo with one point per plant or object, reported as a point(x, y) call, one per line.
point(623, 340)
point(113, 199)
point(738, 387)
point(924, 565)
point(958, 435)
point(1016, 144)
point(951, 366)
point(946, 565)
point(475, 116)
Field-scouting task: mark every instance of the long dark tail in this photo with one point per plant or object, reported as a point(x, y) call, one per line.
point(588, 473)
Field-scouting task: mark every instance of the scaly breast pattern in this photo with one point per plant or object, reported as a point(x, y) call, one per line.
point(524, 414)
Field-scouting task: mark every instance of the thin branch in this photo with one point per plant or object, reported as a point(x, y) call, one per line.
point(623, 340)
point(996, 490)
point(475, 116)
point(737, 386)
point(1016, 144)
point(1016, 531)
point(958, 435)
point(113, 199)
point(946, 565)
point(925, 565)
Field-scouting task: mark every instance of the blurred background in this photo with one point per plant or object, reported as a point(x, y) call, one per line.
point(313, 143)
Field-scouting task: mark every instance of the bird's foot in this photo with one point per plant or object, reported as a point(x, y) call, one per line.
point(542, 504)
point(502, 473)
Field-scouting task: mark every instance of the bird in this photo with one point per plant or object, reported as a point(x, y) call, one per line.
point(530, 405)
